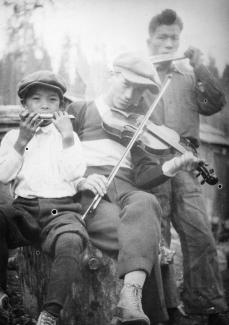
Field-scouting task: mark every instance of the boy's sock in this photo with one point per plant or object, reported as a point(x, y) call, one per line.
point(68, 249)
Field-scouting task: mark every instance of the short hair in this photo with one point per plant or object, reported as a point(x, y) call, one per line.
point(166, 17)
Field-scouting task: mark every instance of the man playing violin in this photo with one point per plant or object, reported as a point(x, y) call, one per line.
point(139, 226)
point(189, 94)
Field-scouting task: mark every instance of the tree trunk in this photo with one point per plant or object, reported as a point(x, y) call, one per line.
point(93, 295)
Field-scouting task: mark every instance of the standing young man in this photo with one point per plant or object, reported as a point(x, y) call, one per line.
point(139, 227)
point(189, 94)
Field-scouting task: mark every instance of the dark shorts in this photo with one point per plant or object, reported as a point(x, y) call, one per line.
point(40, 221)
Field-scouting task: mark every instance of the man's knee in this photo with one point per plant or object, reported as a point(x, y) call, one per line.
point(141, 196)
point(148, 201)
point(144, 208)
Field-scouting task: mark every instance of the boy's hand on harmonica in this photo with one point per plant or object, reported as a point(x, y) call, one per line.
point(64, 126)
point(28, 126)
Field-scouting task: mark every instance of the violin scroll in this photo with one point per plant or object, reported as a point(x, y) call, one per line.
point(208, 175)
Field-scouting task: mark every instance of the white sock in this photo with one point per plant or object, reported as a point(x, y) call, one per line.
point(135, 277)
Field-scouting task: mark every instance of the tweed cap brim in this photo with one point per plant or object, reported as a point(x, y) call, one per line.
point(138, 71)
point(41, 78)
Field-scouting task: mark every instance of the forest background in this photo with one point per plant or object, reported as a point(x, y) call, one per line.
point(80, 38)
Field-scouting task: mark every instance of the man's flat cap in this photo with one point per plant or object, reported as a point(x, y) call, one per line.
point(137, 70)
point(43, 78)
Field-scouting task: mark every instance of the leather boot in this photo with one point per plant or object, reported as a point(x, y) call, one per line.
point(46, 318)
point(129, 308)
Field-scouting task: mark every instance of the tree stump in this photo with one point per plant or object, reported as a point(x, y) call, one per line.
point(93, 295)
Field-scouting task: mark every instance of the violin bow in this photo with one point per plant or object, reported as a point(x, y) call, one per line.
point(138, 131)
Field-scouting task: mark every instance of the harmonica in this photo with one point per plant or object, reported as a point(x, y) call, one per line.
point(49, 116)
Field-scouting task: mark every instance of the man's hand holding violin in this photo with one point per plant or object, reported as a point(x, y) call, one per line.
point(187, 162)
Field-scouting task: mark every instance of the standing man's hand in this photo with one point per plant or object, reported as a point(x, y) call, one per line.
point(28, 126)
point(64, 126)
point(195, 56)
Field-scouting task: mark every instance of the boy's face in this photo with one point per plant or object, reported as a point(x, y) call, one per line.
point(164, 40)
point(42, 100)
point(123, 93)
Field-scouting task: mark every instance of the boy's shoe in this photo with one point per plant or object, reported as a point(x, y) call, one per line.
point(46, 318)
point(129, 309)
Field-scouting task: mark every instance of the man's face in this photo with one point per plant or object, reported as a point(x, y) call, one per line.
point(164, 40)
point(123, 93)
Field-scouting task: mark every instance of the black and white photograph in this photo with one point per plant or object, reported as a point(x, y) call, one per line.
point(114, 162)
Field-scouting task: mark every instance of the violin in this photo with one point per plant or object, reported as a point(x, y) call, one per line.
point(121, 125)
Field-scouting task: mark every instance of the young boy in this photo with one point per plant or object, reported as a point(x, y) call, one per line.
point(43, 161)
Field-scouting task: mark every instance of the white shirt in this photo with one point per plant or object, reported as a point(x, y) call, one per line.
point(104, 151)
point(45, 169)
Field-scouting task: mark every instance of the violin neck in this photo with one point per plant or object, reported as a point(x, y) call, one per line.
point(177, 146)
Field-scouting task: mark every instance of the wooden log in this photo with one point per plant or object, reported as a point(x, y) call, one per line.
point(93, 296)
point(9, 118)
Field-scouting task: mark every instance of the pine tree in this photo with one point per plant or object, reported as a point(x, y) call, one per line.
point(25, 52)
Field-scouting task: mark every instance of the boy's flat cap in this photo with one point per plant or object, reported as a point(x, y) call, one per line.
point(137, 70)
point(44, 78)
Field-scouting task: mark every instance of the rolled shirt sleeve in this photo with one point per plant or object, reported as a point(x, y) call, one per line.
point(10, 160)
point(72, 163)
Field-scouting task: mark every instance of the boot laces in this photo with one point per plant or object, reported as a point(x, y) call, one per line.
point(46, 319)
point(136, 297)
